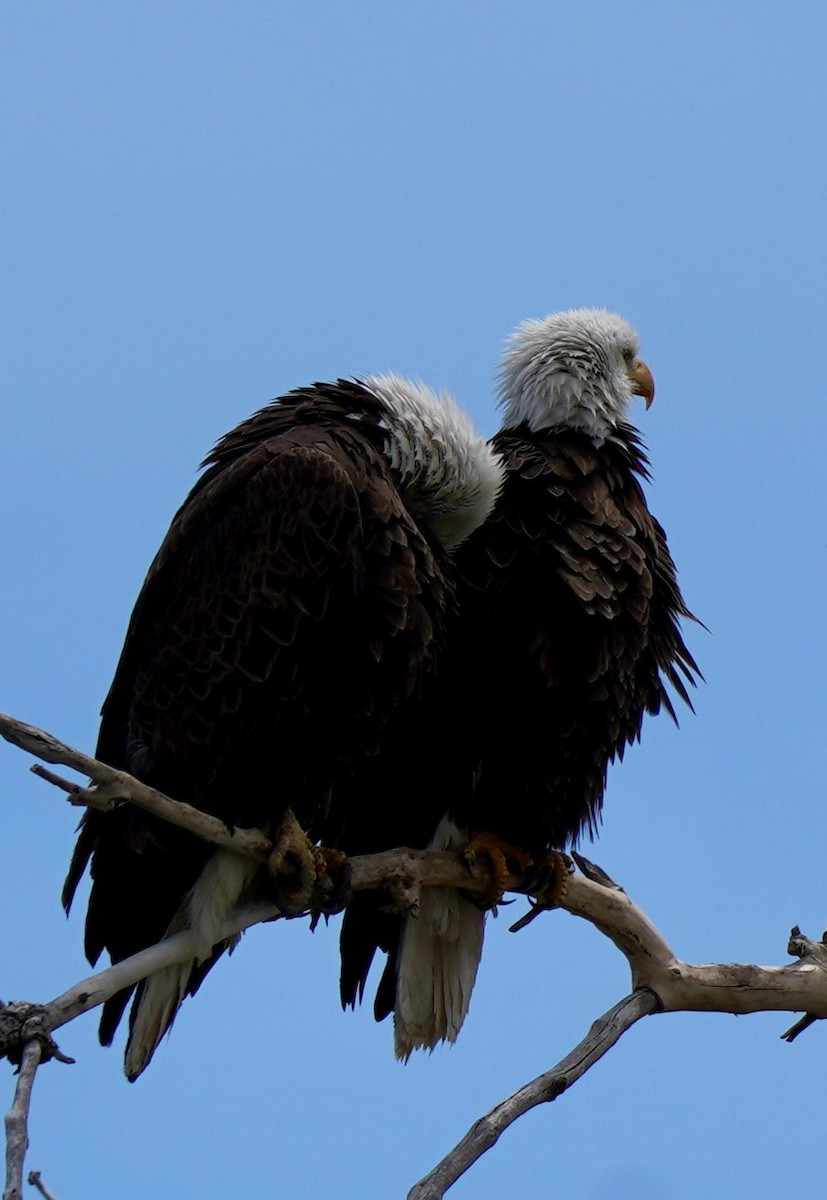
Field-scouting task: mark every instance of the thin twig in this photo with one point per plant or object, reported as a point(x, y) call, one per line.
point(35, 1180)
point(484, 1133)
point(17, 1121)
point(66, 785)
point(112, 786)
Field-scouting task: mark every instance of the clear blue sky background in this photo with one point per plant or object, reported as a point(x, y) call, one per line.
point(207, 204)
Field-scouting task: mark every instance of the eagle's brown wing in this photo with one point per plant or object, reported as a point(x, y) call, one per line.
point(277, 626)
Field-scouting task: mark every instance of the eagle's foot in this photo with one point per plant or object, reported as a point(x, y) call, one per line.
point(294, 868)
point(332, 891)
point(551, 880)
point(503, 861)
point(548, 886)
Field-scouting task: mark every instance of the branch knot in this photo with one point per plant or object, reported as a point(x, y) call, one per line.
point(21, 1022)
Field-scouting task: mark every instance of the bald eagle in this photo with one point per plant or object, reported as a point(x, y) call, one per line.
point(568, 634)
point(298, 600)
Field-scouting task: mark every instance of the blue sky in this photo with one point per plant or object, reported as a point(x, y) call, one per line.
point(206, 204)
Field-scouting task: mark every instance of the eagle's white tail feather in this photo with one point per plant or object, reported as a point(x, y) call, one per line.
point(439, 954)
point(217, 891)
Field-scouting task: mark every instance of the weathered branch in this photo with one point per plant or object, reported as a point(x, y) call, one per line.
point(483, 1134)
point(400, 869)
point(181, 947)
point(706, 987)
point(679, 986)
point(112, 786)
point(661, 982)
point(17, 1121)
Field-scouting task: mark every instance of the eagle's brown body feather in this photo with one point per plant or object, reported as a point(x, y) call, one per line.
point(570, 609)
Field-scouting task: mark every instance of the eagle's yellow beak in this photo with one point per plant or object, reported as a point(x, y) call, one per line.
point(643, 383)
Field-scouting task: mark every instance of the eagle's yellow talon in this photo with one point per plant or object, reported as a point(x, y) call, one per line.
point(503, 861)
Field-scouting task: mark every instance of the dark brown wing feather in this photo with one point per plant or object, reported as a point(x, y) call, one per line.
point(280, 624)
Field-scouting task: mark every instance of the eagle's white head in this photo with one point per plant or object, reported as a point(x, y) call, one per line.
point(577, 369)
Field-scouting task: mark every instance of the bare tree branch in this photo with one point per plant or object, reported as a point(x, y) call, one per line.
point(401, 870)
point(181, 947)
point(706, 987)
point(35, 1180)
point(660, 981)
point(483, 1134)
point(112, 786)
point(17, 1121)
point(680, 986)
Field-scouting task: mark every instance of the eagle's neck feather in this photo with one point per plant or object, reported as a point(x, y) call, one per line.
point(558, 400)
point(448, 475)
